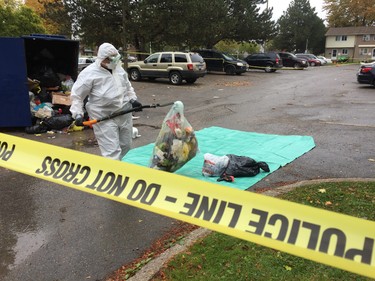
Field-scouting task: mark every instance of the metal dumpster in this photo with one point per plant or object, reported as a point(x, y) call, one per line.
point(27, 57)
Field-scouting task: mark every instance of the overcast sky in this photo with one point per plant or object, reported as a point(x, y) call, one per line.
point(280, 6)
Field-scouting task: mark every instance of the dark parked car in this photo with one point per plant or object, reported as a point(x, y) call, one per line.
point(269, 62)
point(366, 74)
point(312, 59)
point(219, 61)
point(290, 60)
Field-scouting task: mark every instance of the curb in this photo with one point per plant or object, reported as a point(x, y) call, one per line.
point(286, 188)
point(154, 266)
point(150, 269)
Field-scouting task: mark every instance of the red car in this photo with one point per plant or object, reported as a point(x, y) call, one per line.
point(311, 59)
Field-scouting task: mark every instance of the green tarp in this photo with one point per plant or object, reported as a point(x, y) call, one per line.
point(275, 150)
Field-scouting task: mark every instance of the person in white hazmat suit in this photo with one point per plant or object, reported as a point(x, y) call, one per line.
point(107, 86)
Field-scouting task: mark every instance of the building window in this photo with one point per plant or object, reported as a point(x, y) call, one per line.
point(344, 51)
point(341, 38)
point(363, 51)
point(366, 37)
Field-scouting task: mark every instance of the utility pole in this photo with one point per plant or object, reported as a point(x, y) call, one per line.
point(124, 41)
point(265, 41)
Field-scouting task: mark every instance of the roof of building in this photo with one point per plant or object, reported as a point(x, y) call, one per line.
point(352, 30)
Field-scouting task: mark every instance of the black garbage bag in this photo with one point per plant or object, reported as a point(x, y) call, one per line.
point(58, 122)
point(47, 77)
point(243, 166)
point(44, 96)
point(36, 129)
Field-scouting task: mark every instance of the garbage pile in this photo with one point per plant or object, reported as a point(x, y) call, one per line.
point(49, 96)
point(49, 84)
point(49, 105)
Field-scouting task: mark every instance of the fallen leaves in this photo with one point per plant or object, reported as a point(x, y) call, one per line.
point(235, 84)
point(173, 235)
point(287, 267)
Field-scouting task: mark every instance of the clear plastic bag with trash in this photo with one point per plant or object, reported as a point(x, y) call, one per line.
point(67, 84)
point(176, 143)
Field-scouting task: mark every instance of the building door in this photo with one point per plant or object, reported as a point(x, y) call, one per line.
point(373, 54)
point(334, 55)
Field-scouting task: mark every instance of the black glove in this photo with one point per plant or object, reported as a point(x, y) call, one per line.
point(136, 104)
point(78, 120)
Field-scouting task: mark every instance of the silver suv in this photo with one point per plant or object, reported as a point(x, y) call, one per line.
point(176, 66)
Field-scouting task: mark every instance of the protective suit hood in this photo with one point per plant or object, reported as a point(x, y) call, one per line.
point(106, 50)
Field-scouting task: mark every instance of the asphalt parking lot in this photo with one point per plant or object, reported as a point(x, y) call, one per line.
point(51, 232)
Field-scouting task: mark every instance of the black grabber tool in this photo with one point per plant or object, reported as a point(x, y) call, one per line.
point(154, 105)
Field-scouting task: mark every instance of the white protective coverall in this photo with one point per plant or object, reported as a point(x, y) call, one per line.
point(107, 93)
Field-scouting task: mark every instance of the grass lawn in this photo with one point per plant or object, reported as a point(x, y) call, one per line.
point(222, 257)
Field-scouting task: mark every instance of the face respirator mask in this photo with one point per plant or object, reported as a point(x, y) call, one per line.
point(113, 61)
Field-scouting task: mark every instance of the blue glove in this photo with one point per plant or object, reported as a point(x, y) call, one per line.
point(136, 104)
point(78, 120)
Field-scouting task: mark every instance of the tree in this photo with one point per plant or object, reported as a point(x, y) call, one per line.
point(251, 24)
point(51, 26)
point(18, 20)
point(343, 13)
point(235, 48)
point(300, 29)
point(55, 15)
point(179, 23)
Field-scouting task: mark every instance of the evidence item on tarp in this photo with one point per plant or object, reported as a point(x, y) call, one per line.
point(229, 166)
point(33, 61)
point(176, 143)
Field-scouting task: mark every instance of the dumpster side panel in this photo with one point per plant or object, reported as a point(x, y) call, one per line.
point(14, 94)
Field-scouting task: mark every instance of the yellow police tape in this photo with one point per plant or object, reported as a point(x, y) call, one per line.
point(330, 238)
